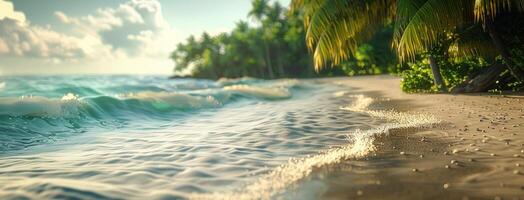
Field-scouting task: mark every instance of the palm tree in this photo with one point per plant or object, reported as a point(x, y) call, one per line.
point(274, 28)
point(258, 12)
point(335, 28)
point(258, 9)
point(421, 26)
point(437, 76)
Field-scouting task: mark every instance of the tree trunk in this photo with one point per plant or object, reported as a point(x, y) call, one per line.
point(483, 81)
point(435, 69)
point(504, 52)
point(261, 71)
point(278, 60)
point(280, 68)
point(268, 62)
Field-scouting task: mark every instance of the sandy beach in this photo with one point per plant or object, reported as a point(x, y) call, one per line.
point(476, 153)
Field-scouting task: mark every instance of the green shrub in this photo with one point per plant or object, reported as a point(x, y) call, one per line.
point(456, 71)
point(417, 78)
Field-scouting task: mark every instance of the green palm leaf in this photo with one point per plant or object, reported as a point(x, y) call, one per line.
point(432, 20)
point(335, 28)
point(489, 9)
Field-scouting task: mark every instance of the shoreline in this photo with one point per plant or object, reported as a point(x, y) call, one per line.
point(478, 153)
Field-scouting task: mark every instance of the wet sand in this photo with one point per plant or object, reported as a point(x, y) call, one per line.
point(477, 152)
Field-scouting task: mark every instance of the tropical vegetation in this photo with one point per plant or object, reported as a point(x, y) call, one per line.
point(272, 46)
point(435, 45)
point(470, 45)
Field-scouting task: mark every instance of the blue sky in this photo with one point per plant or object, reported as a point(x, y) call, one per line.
point(106, 36)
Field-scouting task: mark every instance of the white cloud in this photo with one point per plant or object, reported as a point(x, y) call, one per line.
point(62, 17)
point(134, 29)
point(4, 49)
point(131, 28)
point(19, 38)
point(22, 39)
point(7, 11)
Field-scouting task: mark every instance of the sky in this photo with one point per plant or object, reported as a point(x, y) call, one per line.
point(106, 36)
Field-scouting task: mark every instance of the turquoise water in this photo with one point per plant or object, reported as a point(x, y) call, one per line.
point(148, 137)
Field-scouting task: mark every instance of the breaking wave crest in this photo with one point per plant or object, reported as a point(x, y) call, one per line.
point(270, 93)
point(71, 104)
point(360, 144)
point(174, 100)
point(36, 106)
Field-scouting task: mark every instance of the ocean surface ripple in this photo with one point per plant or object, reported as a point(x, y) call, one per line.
point(147, 137)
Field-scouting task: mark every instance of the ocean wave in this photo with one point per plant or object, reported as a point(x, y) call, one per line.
point(270, 93)
point(37, 106)
point(134, 88)
point(33, 120)
point(167, 100)
point(49, 114)
point(283, 83)
point(78, 90)
point(2, 85)
point(237, 81)
point(154, 101)
point(71, 105)
point(287, 83)
point(360, 144)
point(340, 93)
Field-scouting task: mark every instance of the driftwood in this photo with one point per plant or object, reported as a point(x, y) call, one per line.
point(483, 81)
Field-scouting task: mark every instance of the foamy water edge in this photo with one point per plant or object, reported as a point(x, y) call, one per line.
point(360, 144)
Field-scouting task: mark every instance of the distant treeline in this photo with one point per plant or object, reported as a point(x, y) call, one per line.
point(274, 48)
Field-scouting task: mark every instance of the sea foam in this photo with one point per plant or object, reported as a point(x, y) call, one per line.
point(360, 144)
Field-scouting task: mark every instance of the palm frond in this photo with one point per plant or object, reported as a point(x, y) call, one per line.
point(308, 7)
point(489, 9)
point(433, 19)
point(469, 47)
point(335, 28)
point(406, 9)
